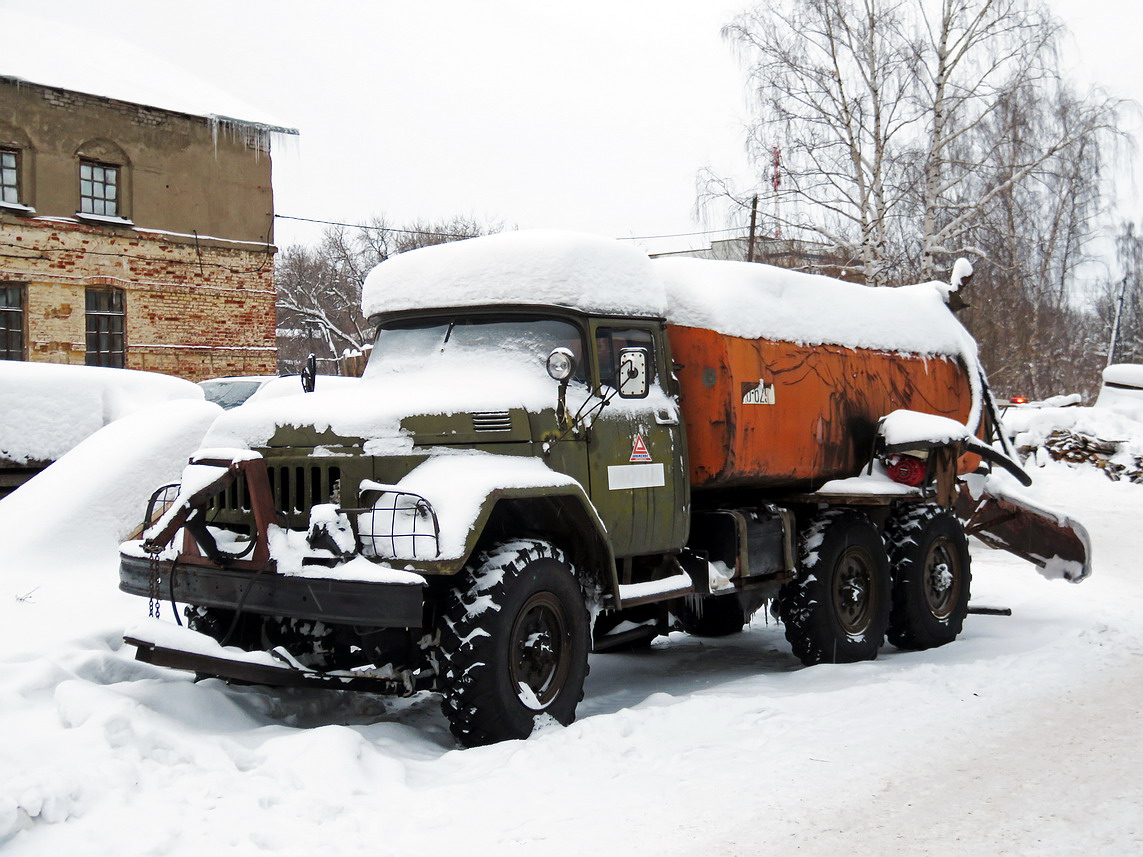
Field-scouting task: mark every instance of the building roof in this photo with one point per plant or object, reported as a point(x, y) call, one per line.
point(52, 53)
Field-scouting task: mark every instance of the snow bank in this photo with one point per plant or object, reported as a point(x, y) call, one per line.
point(94, 496)
point(1032, 427)
point(49, 408)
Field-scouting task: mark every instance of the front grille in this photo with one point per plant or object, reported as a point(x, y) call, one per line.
point(296, 488)
point(492, 421)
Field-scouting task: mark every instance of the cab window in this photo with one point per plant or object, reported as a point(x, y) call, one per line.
point(610, 341)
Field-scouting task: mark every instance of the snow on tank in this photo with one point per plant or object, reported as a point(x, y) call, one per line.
point(754, 301)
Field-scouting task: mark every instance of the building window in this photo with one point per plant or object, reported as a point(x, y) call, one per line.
point(11, 322)
point(105, 316)
point(9, 176)
point(98, 188)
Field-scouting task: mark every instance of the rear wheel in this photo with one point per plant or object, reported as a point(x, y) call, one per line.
point(514, 644)
point(838, 608)
point(928, 552)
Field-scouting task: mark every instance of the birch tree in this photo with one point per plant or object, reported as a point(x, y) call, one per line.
point(881, 108)
point(834, 82)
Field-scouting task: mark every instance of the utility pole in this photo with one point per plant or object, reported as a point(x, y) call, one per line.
point(753, 224)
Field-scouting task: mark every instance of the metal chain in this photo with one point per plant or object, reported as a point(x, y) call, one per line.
point(156, 600)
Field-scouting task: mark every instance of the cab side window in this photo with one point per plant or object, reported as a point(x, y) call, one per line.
point(610, 341)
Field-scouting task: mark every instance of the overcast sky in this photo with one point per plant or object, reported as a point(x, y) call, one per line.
point(594, 116)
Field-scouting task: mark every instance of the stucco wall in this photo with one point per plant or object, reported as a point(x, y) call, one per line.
point(183, 174)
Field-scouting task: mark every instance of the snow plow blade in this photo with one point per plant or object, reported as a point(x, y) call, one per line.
point(204, 657)
point(1054, 542)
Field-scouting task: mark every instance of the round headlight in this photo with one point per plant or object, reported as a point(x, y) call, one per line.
point(561, 364)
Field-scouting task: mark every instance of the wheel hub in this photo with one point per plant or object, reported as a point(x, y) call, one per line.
point(853, 598)
point(540, 655)
point(942, 582)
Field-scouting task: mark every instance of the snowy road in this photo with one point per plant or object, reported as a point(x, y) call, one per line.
point(1021, 738)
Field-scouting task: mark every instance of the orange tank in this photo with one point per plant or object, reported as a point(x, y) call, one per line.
point(780, 415)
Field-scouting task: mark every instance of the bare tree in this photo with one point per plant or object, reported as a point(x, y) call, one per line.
point(882, 109)
point(834, 82)
point(1038, 337)
point(319, 288)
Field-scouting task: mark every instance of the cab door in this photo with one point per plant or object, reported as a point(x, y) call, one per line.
point(637, 456)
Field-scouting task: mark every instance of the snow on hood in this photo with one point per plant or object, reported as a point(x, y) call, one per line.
point(373, 407)
point(535, 267)
point(456, 483)
point(48, 408)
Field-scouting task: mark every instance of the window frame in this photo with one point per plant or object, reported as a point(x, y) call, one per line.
point(20, 328)
point(116, 200)
point(108, 326)
point(17, 185)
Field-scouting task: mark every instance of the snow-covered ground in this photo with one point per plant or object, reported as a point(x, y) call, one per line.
point(1020, 738)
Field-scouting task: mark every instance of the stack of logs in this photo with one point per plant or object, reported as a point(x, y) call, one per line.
point(1077, 448)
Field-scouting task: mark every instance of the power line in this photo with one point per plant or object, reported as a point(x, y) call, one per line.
point(466, 235)
point(679, 234)
point(374, 227)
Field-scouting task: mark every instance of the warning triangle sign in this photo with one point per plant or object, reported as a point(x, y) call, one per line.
point(639, 450)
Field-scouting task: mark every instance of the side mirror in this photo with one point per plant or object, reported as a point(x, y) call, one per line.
point(633, 373)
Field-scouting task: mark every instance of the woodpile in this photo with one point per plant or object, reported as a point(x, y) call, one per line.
point(1079, 448)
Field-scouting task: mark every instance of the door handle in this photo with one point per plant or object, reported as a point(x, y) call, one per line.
point(665, 417)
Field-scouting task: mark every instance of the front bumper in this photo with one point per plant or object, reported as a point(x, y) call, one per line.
point(350, 602)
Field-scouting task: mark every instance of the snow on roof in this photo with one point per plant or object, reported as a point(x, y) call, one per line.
point(1124, 374)
point(528, 267)
point(603, 275)
point(135, 75)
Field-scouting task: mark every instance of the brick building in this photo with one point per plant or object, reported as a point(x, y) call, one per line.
point(133, 235)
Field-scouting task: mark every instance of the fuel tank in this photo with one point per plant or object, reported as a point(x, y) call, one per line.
point(780, 415)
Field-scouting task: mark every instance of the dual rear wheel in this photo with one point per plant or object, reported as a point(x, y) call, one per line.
point(857, 588)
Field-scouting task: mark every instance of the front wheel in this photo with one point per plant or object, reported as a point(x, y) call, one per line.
point(514, 643)
point(838, 608)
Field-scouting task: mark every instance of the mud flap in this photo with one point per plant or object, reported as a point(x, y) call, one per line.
point(1005, 520)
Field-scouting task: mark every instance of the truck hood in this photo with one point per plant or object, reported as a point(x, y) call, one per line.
point(382, 412)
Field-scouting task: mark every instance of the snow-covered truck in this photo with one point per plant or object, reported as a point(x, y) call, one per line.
point(560, 445)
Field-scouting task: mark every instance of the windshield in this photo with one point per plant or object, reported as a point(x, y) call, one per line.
point(229, 394)
point(524, 340)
